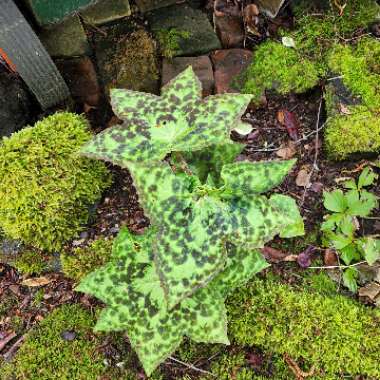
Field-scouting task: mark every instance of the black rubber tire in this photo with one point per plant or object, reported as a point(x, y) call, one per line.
point(32, 61)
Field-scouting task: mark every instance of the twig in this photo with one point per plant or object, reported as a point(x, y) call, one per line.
point(316, 150)
point(294, 367)
point(194, 368)
point(7, 339)
point(7, 356)
point(334, 78)
point(339, 266)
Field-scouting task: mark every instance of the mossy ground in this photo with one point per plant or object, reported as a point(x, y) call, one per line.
point(46, 354)
point(357, 129)
point(309, 321)
point(299, 68)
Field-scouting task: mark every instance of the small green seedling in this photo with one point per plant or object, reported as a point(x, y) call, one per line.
point(340, 227)
point(207, 221)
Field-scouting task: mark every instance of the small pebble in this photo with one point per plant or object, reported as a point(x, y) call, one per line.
point(68, 335)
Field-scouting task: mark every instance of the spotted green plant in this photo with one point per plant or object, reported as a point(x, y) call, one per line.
point(178, 120)
point(206, 225)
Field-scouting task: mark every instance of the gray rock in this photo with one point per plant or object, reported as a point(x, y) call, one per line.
point(67, 39)
point(148, 5)
point(15, 104)
point(270, 7)
point(106, 11)
point(200, 38)
point(9, 250)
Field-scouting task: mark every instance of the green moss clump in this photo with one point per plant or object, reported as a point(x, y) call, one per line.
point(30, 262)
point(169, 40)
point(360, 70)
point(82, 261)
point(46, 188)
point(316, 32)
point(357, 132)
point(335, 334)
point(286, 69)
point(281, 68)
point(46, 355)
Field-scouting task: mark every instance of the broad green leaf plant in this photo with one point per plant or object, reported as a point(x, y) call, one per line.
point(209, 217)
point(341, 225)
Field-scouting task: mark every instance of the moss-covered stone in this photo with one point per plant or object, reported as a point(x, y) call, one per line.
point(200, 38)
point(359, 67)
point(280, 68)
point(357, 132)
point(315, 33)
point(82, 261)
point(46, 354)
point(334, 334)
point(46, 188)
point(357, 128)
point(317, 30)
point(127, 58)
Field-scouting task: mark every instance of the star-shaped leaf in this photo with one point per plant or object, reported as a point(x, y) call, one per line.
point(189, 249)
point(247, 178)
point(178, 120)
point(130, 287)
point(191, 254)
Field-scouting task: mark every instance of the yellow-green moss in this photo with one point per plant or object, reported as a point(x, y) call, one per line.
point(298, 69)
point(316, 31)
point(169, 41)
point(30, 262)
point(82, 261)
point(46, 188)
point(359, 67)
point(358, 132)
point(335, 334)
point(46, 355)
point(275, 66)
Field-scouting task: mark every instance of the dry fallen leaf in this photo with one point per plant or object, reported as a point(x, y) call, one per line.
point(251, 19)
point(37, 281)
point(290, 121)
point(371, 291)
point(344, 110)
point(330, 258)
point(287, 150)
point(303, 178)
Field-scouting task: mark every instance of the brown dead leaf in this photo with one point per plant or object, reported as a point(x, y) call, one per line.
point(273, 255)
point(371, 290)
point(330, 258)
point(251, 19)
point(287, 150)
point(303, 179)
point(37, 281)
point(290, 121)
point(344, 110)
